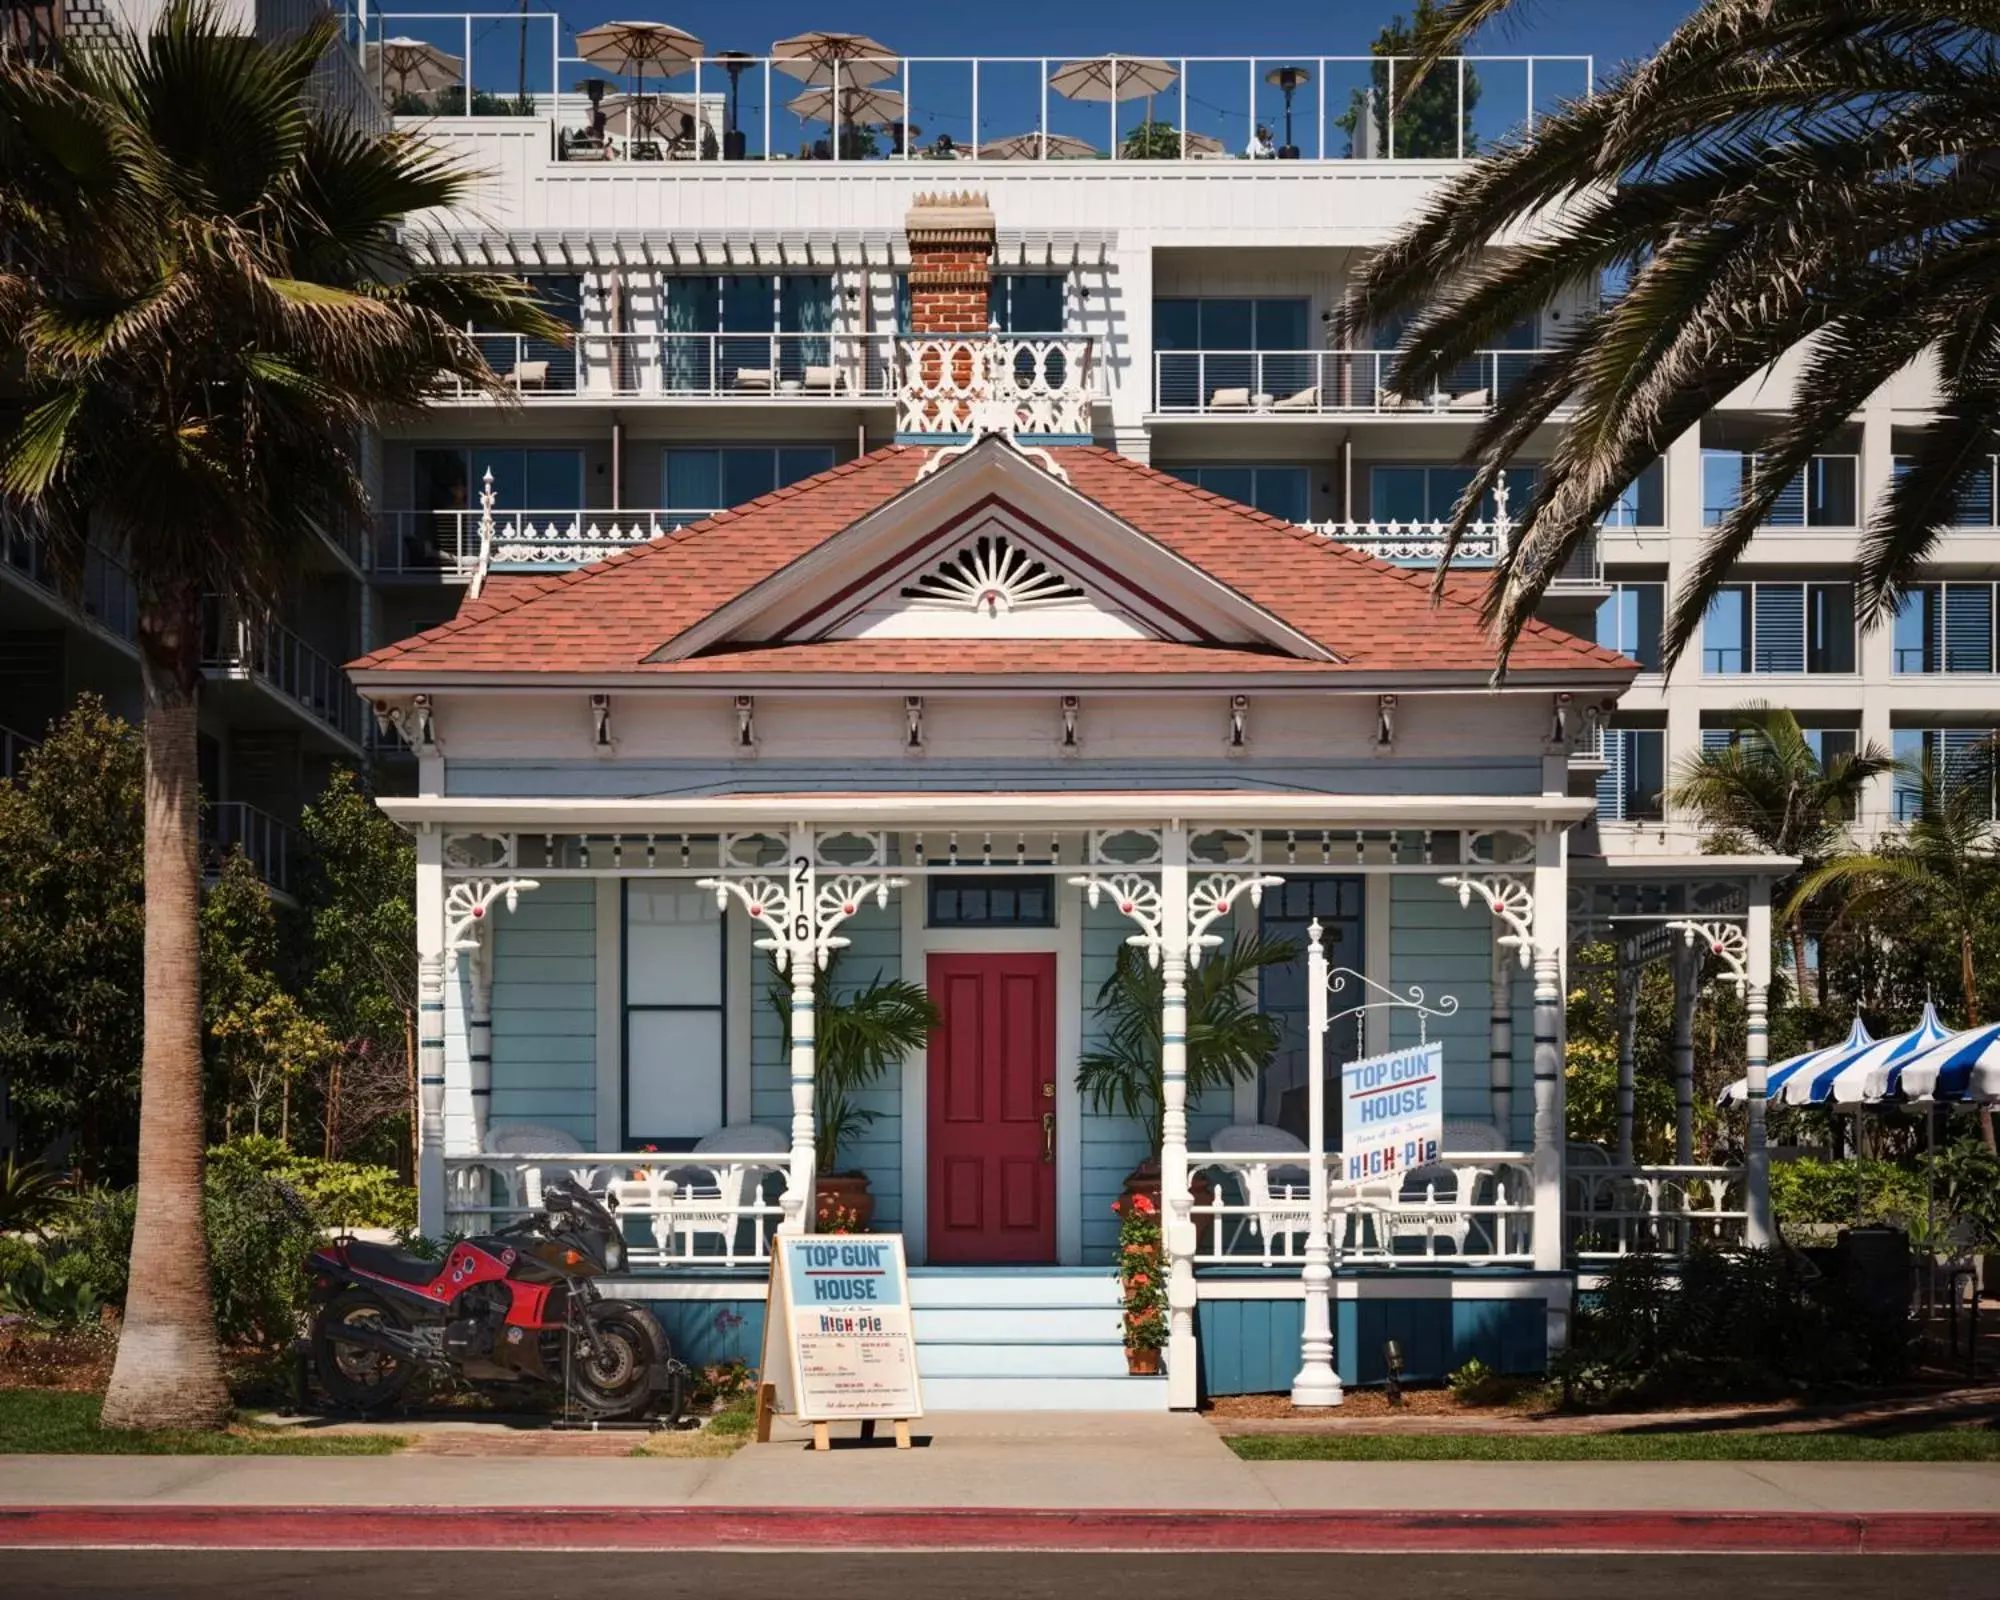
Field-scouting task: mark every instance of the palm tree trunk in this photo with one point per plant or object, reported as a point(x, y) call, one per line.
point(1799, 960)
point(1968, 977)
point(168, 1372)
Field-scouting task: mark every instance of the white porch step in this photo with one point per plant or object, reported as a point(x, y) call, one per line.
point(1024, 1339)
point(1045, 1394)
point(1025, 1359)
point(1034, 1324)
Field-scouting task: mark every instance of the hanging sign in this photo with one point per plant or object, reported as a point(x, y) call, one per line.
point(837, 1338)
point(1391, 1112)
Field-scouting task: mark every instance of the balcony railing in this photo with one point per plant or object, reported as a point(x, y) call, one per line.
point(448, 542)
point(996, 108)
point(106, 595)
point(228, 825)
point(270, 653)
point(1621, 1211)
point(1280, 383)
point(1422, 544)
point(795, 368)
point(1044, 384)
point(14, 748)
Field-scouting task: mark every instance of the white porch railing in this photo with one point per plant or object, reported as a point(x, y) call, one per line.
point(447, 542)
point(679, 1210)
point(1622, 1211)
point(1421, 544)
point(1473, 1209)
point(1048, 381)
point(1224, 383)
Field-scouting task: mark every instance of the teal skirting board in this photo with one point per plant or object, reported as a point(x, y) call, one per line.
point(1252, 1346)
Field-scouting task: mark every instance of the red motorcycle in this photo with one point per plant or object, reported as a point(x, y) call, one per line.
point(519, 1306)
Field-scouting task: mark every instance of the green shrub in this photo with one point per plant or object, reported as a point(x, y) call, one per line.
point(52, 1291)
point(1811, 1190)
point(1477, 1384)
point(1725, 1324)
point(341, 1194)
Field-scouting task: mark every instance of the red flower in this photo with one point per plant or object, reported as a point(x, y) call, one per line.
point(1142, 1205)
point(1141, 1279)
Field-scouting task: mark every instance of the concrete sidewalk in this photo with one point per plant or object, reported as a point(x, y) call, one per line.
point(1083, 1462)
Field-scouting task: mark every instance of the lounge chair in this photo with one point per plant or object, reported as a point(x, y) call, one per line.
point(1471, 400)
point(529, 375)
point(1304, 400)
point(821, 380)
point(757, 379)
point(1229, 400)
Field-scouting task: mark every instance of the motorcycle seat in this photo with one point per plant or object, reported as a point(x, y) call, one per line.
point(386, 1261)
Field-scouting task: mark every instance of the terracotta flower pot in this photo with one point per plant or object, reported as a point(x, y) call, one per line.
point(1145, 1179)
point(848, 1191)
point(1142, 1363)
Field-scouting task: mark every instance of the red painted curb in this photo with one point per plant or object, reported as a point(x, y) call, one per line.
point(821, 1528)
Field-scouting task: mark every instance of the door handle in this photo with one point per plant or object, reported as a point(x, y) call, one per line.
point(1048, 1136)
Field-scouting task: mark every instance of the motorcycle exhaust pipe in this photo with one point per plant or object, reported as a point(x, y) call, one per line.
point(389, 1341)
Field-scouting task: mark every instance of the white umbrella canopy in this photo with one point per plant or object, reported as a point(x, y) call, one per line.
point(1113, 78)
point(647, 116)
point(868, 108)
point(822, 58)
point(634, 49)
point(1037, 147)
point(417, 66)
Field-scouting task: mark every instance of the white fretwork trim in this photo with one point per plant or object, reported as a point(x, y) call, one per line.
point(992, 419)
point(1209, 900)
point(1136, 897)
point(1508, 898)
point(1101, 857)
point(467, 901)
point(803, 916)
point(1726, 941)
point(992, 575)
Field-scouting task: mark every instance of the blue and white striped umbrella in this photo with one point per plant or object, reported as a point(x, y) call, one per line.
point(1963, 1069)
point(1863, 1077)
point(1775, 1078)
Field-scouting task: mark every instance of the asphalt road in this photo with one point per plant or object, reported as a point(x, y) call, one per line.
point(202, 1575)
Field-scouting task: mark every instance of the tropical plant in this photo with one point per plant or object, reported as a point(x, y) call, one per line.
point(72, 927)
point(1783, 176)
point(53, 1290)
point(1429, 121)
point(1228, 1038)
point(858, 1034)
point(205, 302)
point(1766, 791)
point(31, 1196)
point(1151, 141)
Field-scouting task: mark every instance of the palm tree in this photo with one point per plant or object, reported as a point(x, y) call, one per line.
point(204, 303)
point(1940, 867)
point(1765, 790)
point(1228, 1038)
point(1782, 174)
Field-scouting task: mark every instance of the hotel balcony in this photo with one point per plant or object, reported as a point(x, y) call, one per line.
point(229, 825)
point(1275, 384)
point(282, 679)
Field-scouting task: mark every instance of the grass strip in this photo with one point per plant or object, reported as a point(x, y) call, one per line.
point(1936, 1444)
point(53, 1422)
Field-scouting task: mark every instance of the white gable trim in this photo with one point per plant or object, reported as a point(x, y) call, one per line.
point(1129, 572)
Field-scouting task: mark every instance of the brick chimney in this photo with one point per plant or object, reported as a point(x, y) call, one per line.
point(951, 265)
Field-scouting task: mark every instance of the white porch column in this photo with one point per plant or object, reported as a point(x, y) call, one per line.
point(1686, 961)
point(1629, 977)
point(1317, 1383)
point(1182, 1388)
point(798, 1197)
point(1759, 1229)
point(479, 1030)
point(430, 1032)
point(1500, 1045)
point(1551, 917)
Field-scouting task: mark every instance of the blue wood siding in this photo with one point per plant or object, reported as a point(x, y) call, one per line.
point(1252, 1346)
point(545, 1011)
point(1445, 949)
point(875, 949)
point(703, 1332)
point(1112, 1145)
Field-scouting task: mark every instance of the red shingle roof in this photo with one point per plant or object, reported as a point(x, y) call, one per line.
point(609, 617)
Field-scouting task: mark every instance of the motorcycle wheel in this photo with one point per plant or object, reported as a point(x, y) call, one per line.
point(354, 1376)
point(615, 1379)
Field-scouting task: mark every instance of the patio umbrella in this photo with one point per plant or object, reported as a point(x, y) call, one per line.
point(873, 108)
point(1037, 147)
point(1858, 1079)
point(648, 116)
point(1113, 78)
point(1963, 1069)
point(418, 66)
point(835, 60)
point(634, 49)
point(1809, 1061)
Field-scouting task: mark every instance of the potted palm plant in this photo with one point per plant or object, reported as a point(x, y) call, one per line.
point(858, 1035)
point(1228, 1038)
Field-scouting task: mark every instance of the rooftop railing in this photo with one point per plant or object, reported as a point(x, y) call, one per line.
point(792, 367)
point(1279, 383)
point(1422, 544)
point(447, 543)
point(228, 825)
point(270, 653)
point(893, 107)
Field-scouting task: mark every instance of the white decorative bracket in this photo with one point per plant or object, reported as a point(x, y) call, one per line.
point(1136, 897)
point(993, 417)
point(467, 902)
point(1072, 707)
point(803, 915)
point(1385, 721)
point(1508, 898)
point(746, 722)
point(600, 721)
point(913, 722)
point(1239, 723)
point(1210, 898)
point(1726, 941)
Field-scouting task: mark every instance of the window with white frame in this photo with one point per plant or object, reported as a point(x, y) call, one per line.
point(1978, 503)
point(1779, 628)
point(1825, 493)
point(1642, 503)
point(1632, 786)
point(1277, 491)
point(1956, 756)
point(1945, 627)
point(675, 1054)
point(1629, 620)
point(699, 481)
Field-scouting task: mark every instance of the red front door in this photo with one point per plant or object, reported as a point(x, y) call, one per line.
point(992, 1099)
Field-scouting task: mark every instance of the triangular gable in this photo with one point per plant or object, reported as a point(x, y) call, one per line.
point(992, 547)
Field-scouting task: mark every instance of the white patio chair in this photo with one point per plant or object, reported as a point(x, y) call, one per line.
point(1229, 400)
point(533, 1138)
point(529, 375)
point(708, 1196)
point(1303, 400)
point(1275, 1195)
